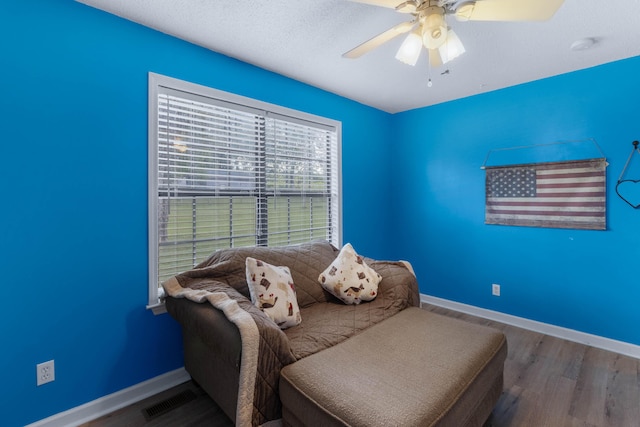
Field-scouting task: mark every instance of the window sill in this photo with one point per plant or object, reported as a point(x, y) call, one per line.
point(157, 308)
point(156, 301)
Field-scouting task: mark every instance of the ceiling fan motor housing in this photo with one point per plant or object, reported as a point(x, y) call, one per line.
point(434, 27)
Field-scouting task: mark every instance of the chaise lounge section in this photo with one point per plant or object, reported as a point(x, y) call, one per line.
point(414, 369)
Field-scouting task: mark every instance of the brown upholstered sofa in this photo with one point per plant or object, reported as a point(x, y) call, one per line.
point(236, 353)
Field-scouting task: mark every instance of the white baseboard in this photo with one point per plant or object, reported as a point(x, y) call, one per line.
point(112, 402)
point(621, 347)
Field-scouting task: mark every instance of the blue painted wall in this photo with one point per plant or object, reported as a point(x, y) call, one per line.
point(73, 222)
point(583, 280)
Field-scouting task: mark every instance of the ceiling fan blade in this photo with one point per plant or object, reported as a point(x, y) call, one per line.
point(510, 10)
point(392, 4)
point(380, 39)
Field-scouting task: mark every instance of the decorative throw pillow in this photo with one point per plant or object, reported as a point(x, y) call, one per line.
point(272, 290)
point(349, 278)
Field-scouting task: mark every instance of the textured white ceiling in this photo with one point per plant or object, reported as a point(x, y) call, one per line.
point(304, 40)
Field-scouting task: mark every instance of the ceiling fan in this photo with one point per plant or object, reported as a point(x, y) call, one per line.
point(429, 28)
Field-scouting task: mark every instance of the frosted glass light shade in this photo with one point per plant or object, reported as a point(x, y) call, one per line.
point(451, 48)
point(410, 49)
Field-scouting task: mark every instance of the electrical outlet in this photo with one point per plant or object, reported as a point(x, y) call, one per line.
point(495, 289)
point(45, 372)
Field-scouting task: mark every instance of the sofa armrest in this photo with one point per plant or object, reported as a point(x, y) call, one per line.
point(210, 325)
point(409, 266)
point(215, 330)
point(398, 281)
point(214, 349)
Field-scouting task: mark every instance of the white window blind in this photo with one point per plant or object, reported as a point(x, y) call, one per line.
point(227, 172)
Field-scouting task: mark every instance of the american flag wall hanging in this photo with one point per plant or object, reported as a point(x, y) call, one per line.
point(555, 195)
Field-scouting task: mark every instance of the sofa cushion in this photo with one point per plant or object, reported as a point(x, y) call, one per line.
point(349, 278)
point(272, 290)
point(327, 324)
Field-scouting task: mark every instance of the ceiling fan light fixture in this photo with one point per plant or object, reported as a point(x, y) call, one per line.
point(434, 29)
point(451, 48)
point(410, 49)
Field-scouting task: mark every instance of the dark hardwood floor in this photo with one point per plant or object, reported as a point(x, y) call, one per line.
point(548, 382)
point(200, 412)
point(553, 382)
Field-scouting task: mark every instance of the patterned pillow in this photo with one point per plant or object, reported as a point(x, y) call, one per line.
point(349, 278)
point(273, 292)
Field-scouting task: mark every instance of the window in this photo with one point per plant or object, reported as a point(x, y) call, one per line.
point(227, 171)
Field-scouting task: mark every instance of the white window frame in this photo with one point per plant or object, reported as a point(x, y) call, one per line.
point(158, 82)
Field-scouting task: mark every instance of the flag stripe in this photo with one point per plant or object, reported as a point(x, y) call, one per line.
point(567, 184)
point(557, 174)
point(544, 179)
point(566, 166)
point(542, 210)
point(551, 198)
point(561, 195)
point(551, 218)
point(560, 192)
point(538, 203)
